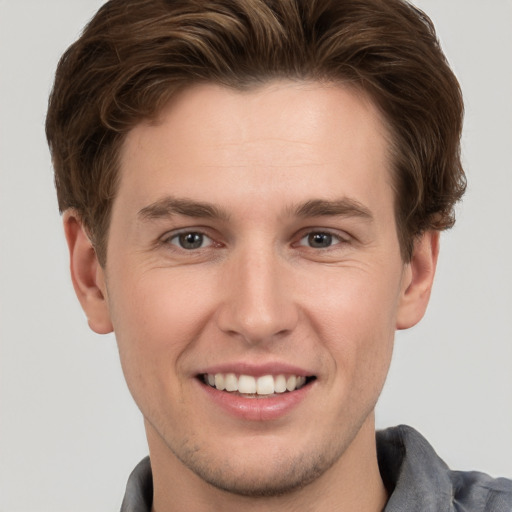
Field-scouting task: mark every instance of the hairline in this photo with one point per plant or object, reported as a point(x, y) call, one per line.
point(251, 86)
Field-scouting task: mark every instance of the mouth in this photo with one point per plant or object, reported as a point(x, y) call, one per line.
point(249, 386)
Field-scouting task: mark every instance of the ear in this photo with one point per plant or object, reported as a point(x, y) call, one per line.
point(87, 274)
point(417, 280)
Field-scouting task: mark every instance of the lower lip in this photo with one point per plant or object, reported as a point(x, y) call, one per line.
point(257, 409)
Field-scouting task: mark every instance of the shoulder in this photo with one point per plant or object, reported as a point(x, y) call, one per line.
point(139, 489)
point(481, 492)
point(417, 479)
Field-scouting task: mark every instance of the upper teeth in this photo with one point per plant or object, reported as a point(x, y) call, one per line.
point(247, 384)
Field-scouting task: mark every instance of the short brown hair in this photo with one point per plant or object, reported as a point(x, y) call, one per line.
point(134, 54)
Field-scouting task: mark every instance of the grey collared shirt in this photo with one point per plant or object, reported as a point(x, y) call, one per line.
point(417, 480)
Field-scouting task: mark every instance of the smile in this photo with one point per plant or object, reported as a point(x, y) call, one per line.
point(259, 398)
point(251, 386)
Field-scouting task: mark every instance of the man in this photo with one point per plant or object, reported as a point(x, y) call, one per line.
point(252, 195)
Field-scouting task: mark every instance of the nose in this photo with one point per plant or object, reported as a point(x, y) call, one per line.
point(258, 304)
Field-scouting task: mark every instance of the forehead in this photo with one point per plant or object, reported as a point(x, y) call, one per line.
point(265, 139)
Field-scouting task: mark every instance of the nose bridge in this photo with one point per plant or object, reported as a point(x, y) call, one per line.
point(258, 303)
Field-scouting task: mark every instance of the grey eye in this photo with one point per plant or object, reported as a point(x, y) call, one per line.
point(319, 240)
point(190, 240)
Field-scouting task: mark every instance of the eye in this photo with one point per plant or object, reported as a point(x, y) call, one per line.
point(190, 240)
point(320, 240)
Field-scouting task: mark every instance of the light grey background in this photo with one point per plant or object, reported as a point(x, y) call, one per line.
point(69, 431)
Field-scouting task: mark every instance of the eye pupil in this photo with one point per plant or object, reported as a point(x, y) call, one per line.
point(191, 240)
point(319, 240)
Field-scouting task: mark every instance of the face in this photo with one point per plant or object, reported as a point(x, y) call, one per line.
point(253, 246)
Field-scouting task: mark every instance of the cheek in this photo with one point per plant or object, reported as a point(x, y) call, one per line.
point(159, 309)
point(356, 319)
point(157, 319)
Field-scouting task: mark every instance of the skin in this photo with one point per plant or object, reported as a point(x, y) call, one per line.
point(257, 291)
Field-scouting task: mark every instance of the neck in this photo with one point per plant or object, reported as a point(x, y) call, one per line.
point(352, 484)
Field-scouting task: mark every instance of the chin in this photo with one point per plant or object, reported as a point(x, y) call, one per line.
point(265, 472)
point(275, 478)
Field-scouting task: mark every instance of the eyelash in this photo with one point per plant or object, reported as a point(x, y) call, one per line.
point(323, 233)
point(177, 239)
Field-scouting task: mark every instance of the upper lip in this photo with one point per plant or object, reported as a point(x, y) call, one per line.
point(256, 370)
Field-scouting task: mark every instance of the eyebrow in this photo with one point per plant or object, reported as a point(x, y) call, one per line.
point(344, 207)
point(169, 206)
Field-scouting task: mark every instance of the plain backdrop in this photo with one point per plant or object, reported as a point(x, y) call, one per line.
point(69, 431)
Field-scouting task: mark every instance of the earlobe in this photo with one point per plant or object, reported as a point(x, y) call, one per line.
point(418, 280)
point(87, 274)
